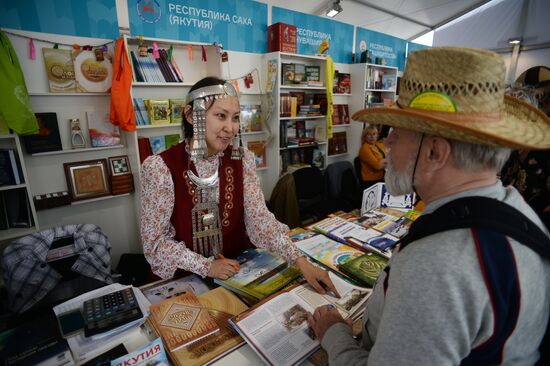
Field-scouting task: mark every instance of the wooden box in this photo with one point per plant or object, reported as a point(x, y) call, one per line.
point(281, 37)
point(51, 200)
point(121, 184)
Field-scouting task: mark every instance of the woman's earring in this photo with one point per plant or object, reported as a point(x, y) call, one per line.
point(238, 151)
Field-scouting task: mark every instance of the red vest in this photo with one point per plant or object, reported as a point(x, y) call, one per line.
point(231, 206)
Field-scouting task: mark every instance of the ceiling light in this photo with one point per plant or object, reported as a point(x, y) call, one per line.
point(514, 40)
point(334, 9)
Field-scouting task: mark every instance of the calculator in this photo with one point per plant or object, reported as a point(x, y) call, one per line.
point(110, 311)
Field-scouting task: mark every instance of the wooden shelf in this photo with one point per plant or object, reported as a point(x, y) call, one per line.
point(98, 199)
point(295, 118)
point(168, 125)
point(16, 232)
point(15, 186)
point(76, 151)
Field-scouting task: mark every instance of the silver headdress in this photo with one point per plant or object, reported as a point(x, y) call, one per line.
point(207, 234)
point(201, 98)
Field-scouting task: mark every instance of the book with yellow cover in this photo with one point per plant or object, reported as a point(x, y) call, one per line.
point(221, 304)
point(182, 320)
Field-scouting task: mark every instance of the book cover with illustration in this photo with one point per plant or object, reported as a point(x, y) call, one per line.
point(158, 144)
point(159, 111)
point(261, 273)
point(102, 132)
point(93, 71)
point(328, 252)
point(222, 305)
point(182, 320)
point(171, 140)
point(258, 149)
point(60, 70)
point(47, 138)
point(251, 117)
point(365, 268)
point(177, 107)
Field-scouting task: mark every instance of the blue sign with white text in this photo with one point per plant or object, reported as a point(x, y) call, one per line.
point(385, 48)
point(239, 25)
point(411, 46)
point(311, 30)
point(91, 18)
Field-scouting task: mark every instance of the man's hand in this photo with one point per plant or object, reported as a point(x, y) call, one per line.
point(323, 318)
point(223, 268)
point(316, 277)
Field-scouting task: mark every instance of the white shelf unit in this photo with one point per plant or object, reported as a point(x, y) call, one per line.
point(192, 71)
point(372, 84)
point(286, 155)
point(45, 172)
point(342, 98)
point(12, 142)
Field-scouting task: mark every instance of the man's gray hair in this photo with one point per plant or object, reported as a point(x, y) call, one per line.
point(477, 157)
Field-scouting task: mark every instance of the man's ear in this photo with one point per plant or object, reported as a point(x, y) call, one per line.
point(188, 113)
point(436, 151)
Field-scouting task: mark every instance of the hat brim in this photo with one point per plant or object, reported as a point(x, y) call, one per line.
point(522, 126)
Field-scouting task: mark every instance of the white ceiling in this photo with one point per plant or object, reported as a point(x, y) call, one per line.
point(405, 19)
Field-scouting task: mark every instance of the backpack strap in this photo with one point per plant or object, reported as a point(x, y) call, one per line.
point(481, 213)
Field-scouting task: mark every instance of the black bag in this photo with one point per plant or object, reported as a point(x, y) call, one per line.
point(489, 214)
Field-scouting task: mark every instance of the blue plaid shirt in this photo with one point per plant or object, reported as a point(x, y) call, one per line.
point(29, 277)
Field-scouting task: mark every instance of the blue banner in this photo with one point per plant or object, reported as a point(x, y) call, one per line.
point(381, 46)
point(311, 30)
point(239, 25)
point(91, 18)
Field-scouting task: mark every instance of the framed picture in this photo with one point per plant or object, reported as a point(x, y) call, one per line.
point(119, 165)
point(87, 179)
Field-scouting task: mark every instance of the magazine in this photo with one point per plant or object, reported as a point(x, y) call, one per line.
point(152, 354)
point(277, 328)
point(160, 291)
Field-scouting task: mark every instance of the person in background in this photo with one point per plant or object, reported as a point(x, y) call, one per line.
point(372, 155)
point(466, 296)
point(194, 210)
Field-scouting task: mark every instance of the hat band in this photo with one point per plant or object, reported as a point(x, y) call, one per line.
point(474, 117)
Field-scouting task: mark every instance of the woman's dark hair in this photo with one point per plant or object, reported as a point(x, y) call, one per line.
point(207, 81)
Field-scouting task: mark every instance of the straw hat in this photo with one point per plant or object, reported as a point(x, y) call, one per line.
point(458, 93)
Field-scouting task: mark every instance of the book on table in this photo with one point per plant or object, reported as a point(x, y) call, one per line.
point(166, 289)
point(222, 305)
point(366, 268)
point(182, 320)
point(261, 273)
point(151, 354)
point(277, 329)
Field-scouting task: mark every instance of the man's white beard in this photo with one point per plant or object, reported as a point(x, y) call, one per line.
point(399, 183)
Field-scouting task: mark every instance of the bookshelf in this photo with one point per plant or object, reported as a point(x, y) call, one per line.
point(24, 210)
point(300, 137)
point(373, 85)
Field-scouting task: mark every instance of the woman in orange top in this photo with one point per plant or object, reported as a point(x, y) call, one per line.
point(373, 157)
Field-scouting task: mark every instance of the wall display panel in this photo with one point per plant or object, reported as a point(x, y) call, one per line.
point(238, 25)
point(91, 18)
point(411, 46)
point(382, 46)
point(312, 30)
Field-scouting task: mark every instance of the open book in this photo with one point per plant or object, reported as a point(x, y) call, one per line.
point(277, 327)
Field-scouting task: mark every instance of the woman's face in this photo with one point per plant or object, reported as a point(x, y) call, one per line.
point(371, 136)
point(222, 124)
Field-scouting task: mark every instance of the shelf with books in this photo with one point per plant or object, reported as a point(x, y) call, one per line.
point(78, 151)
point(299, 94)
point(374, 85)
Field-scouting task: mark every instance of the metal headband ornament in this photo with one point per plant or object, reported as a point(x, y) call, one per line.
point(207, 234)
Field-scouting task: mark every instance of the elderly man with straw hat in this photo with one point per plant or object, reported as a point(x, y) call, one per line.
point(470, 283)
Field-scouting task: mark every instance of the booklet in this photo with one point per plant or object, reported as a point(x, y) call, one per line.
point(151, 354)
point(277, 328)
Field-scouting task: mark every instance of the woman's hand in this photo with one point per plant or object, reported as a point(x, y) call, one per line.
point(223, 268)
point(316, 277)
